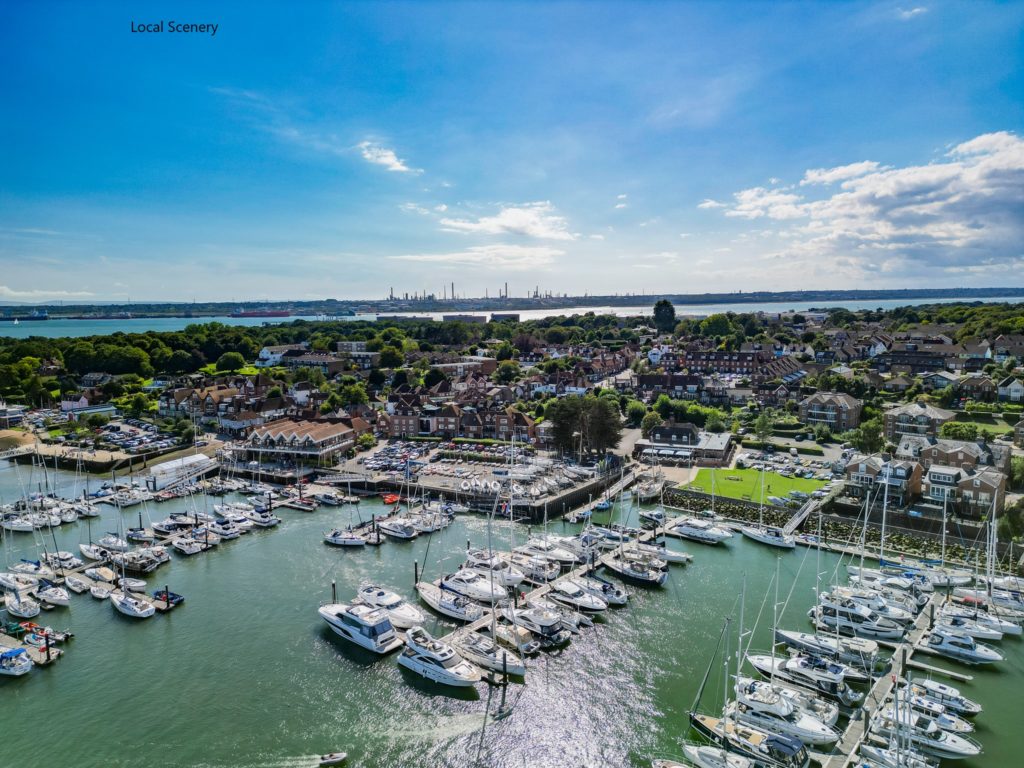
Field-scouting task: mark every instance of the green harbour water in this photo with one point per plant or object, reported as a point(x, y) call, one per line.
point(246, 674)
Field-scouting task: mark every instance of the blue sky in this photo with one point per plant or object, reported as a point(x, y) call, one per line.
point(342, 149)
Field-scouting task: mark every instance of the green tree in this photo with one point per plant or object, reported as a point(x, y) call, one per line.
point(716, 325)
point(230, 361)
point(763, 426)
point(635, 412)
point(959, 430)
point(366, 441)
point(867, 438)
point(433, 376)
point(663, 405)
point(507, 372)
point(138, 405)
point(649, 422)
point(664, 316)
point(390, 357)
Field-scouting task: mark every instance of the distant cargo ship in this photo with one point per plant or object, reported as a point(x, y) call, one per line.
point(37, 315)
point(242, 312)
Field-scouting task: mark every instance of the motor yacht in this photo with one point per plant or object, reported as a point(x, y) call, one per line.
point(924, 734)
point(490, 565)
point(225, 529)
point(449, 603)
point(820, 676)
point(539, 546)
point(966, 627)
point(475, 586)
point(879, 757)
point(768, 711)
point(956, 645)
point(403, 614)
point(658, 552)
point(364, 625)
point(697, 529)
point(847, 617)
point(398, 528)
point(984, 618)
point(855, 651)
point(568, 593)
point(871, 600)
point(801, 699)
point(436, 660)
point(261, 518)
point(535, 568)
point(923, 705)
point(545, 625)
point(610, 593)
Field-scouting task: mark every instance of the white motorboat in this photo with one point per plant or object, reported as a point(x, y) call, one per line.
point(855, 651)
point(901, 581)
point(490, 564)
point(15, 662)
point(869, 599)
point(436, 660)
point(398, 528)
point(86, 509)
point(333, 758)
point(330, 498)
point(984, 618)
point(634, 569)
point(62, 560)
point(769, 534)
point(132, 606)
point(189, 546)
point(475, 586)
point(224, 529)
point(261, 519)
point(652, 517)
point(923, 734)
point(22, 607)
point(486, 653)
point(802, 700)
point(449, 603)
point(33, 568)
point(402, 613)
point(966, 627)
point(944, 694)
point(611, 594)
point(697, 529)
point(847, 617)
point(101, 574)
point(956, 645)
point(545, 625)
point(344, 537)
point(539, 546)
point(568, 593)
point(101, 591)
point(815, 674)
point(879, 757)
point(536, 568)
point(364, 625)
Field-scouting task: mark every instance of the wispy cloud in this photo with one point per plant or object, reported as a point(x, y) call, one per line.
point(539, 220)
point(380, 155)
point(414, 208)
point(906, 14)
point(708, 204)
point(840, 173)
point(13, 294)
point(497, 256)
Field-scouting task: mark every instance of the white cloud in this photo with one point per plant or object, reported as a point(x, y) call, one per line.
point(539, 220)
point(379, 155)
point(597, 237)
point(840, 173)
point(13, 294)
point(905, 14)
point(498, 256)
point(963, 210)
point(619, 206)
point(441, 208)
point(708, 204)
point(622, 197)
point(414, 208)
point(649, 222)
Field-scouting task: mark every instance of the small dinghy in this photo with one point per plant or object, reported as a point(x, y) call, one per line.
point(99, 591)
point(334, 758)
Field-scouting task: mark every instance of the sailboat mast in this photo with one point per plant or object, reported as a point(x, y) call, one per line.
point(885, 509)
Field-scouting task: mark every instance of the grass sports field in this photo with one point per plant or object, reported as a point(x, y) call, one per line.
point(746, 484)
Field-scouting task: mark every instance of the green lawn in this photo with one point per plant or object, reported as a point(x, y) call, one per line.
point(746, 484)
point(986, 422)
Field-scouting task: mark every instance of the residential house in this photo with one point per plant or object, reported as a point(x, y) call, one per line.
point(1018, 434)
point(934, 380)
point(871, 474)
point(966, 492)
point(1011, 390)
point(272, 355)
point(96, 379)
point(838, 411)
point(963, 454)
point(11, 415)
point(918, 418)
point(301, 441)
point(977, 387)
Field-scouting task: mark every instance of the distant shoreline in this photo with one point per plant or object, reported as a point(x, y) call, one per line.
point(332, 307)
